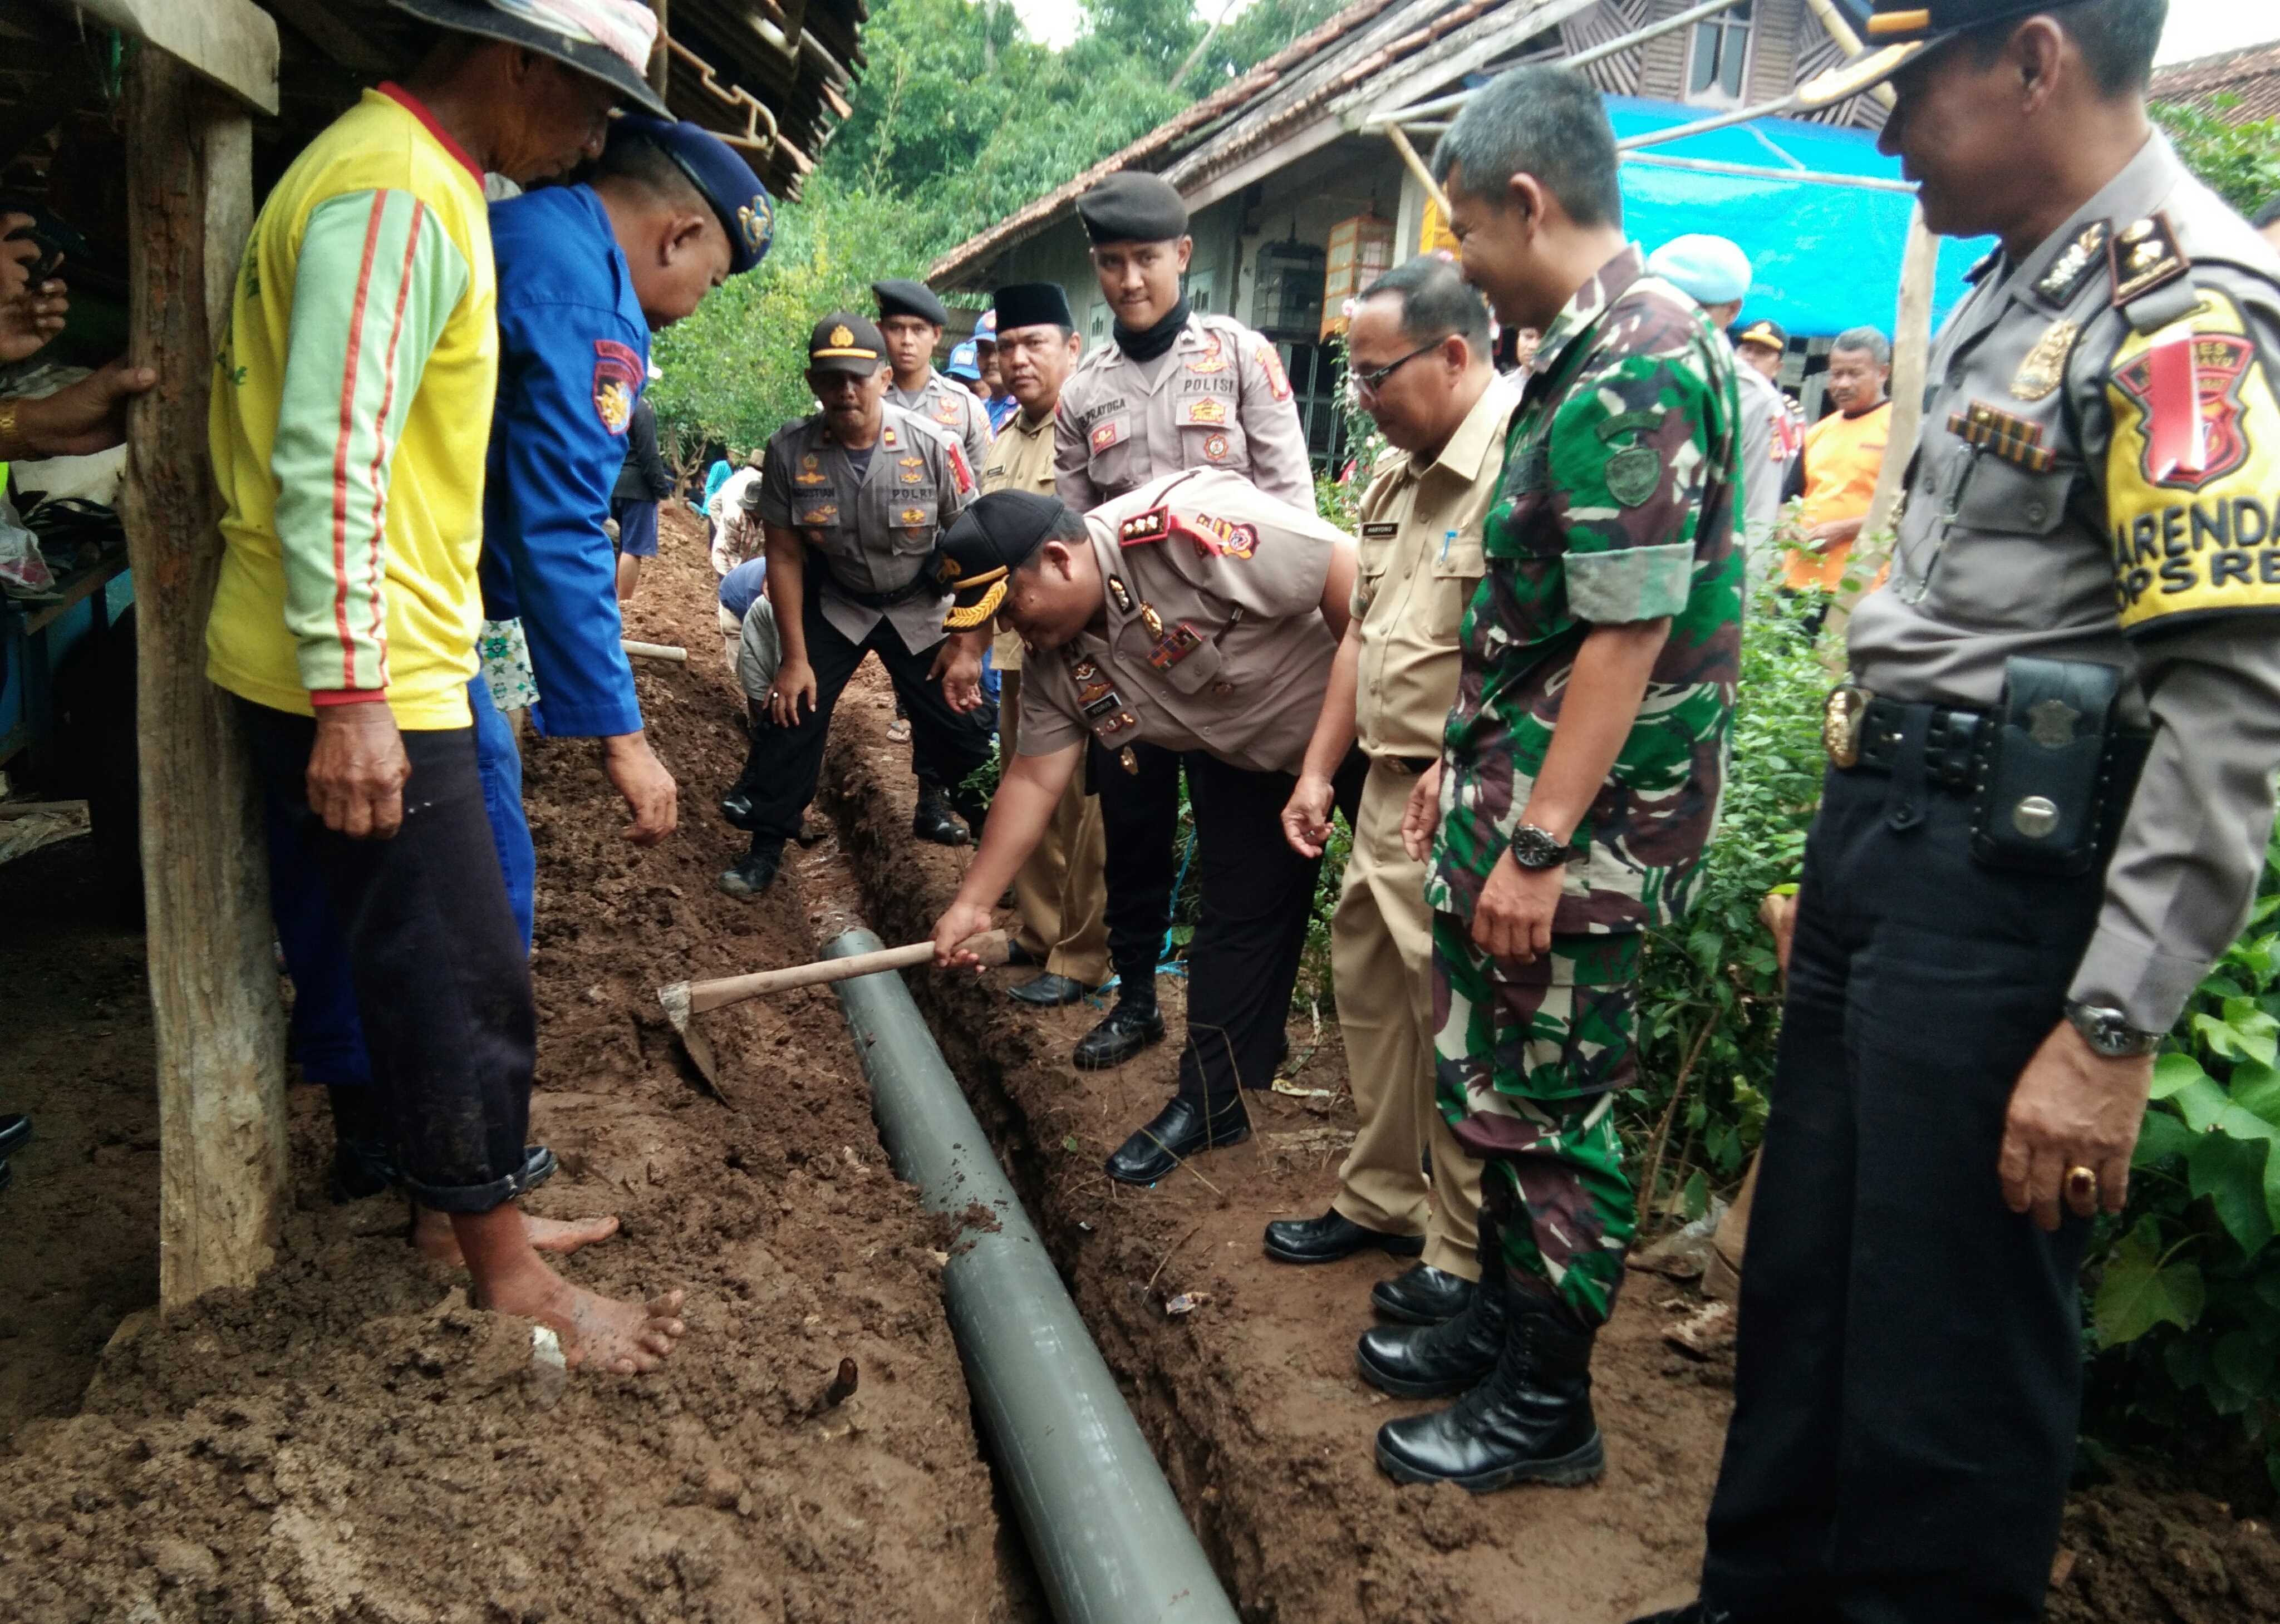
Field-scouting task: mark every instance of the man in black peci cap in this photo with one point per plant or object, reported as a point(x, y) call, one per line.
point(2048, 795)
point(911, 320)
point(852, 501)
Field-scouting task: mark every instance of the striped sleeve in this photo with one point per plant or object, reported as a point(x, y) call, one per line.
point(378, 279)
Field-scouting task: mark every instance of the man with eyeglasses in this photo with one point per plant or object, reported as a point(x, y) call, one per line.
point(1420, 360)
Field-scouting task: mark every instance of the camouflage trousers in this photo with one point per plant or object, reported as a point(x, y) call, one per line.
point(1528, 1060)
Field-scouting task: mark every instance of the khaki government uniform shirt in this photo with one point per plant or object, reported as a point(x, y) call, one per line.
point(948, 405)
point(872, 530)
point(2057, 507)
point(1414, 578)
point(1218, 399)
point(1021, 458)
point(1214, 637)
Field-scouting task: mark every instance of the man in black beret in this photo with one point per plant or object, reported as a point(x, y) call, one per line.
point(911, 320)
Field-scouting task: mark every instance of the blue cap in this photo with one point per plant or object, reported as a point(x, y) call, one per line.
point(1709, 270)
point(965, 360)
point(718, 171)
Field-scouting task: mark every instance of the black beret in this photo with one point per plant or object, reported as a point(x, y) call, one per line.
point(986, 543)
point(844, 342)
point(1033, 305)
point(720, 176)
point(1133, 207)
point(904, 297)
point(1761, 331)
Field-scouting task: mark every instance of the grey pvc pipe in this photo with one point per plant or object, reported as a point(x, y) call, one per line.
point(1110, 1542)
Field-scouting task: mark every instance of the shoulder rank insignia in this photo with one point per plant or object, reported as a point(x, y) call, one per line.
point(811, 471)
point(2045, 367)
point(1219, 538)
point(886, 438)
point(1152, 526)
point(619, 371)
point(2144, 255)
point(2014, 439)
point(1121, 593)
point(2064, 278)
point(1210, 359)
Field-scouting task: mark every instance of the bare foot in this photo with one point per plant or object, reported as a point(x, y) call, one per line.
point(431, 1233)
point(508, 1277)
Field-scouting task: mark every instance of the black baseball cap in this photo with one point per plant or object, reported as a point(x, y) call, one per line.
point(527, 25)
point(844, 342)
point(984, 545)
point(1899, 30)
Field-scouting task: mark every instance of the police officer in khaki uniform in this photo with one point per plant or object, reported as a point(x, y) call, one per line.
point(910, 321)
point(1173, 389)
point(1994, 927)
point(1060, 892)
point(1196, 615)
point(1419, 355)
point(853, 500)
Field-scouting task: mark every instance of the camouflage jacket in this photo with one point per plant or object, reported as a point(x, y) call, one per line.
point(1620, 502)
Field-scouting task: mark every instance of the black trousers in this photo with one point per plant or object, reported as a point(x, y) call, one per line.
point(1909, 1366)
point(1242, 962)
point(442, 985)
point(784, 763)
point(1140, 837)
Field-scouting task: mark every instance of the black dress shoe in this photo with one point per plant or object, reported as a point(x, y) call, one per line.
point(1332, 1236)
point(1016, 956)
point(1049, 991)
point(1530, 1421)
point(932, 820)
point(736, 810)
point(1128, 1029)
point(15, 1128)
point(1422, 1296)
point(1181, 1129)
point(753, 875)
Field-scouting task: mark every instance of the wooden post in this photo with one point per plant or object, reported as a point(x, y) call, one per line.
point(205, 873)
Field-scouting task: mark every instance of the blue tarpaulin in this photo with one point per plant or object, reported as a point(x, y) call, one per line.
point(1826, 257)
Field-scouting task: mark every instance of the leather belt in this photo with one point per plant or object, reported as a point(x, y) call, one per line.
point(1408, 766)
point(1949, 741)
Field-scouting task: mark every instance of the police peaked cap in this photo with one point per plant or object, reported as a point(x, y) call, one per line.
point(1708, 270)
point(844, 342)
point(1898, 30)
point(1133, 207)
point(1033, 305)
point(1770, 334)
point(987, 543)
point(904, 297)
point(721, 177)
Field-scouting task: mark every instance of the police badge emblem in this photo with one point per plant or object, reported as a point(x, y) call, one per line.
point(2044, 369)
point(619, 371)
point(1841, 721)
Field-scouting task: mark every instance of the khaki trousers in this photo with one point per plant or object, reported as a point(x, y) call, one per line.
point(1382, 968)
point(1061, 892)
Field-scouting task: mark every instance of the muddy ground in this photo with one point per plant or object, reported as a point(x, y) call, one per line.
point(350, 1442)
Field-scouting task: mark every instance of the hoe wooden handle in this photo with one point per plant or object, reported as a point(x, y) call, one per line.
point(990, 948)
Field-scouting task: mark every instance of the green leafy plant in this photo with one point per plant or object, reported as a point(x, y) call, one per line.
point(2239, 161)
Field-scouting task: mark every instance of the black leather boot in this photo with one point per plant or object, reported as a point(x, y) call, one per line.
point(932, 820)
point(753, 875)
point(1529, 1422)
point(1134, 1023)
point(1434, 1361)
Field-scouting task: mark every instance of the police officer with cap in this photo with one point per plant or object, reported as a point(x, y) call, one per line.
point(1761, 346)
point(1172, 389)
point(2048, 795)
point(853, 501)
point(911, 320)
point(1198, 616)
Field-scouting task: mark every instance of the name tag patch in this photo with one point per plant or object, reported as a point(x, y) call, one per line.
point(1380, 530)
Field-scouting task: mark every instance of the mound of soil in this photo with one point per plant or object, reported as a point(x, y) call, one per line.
point(349, 1440)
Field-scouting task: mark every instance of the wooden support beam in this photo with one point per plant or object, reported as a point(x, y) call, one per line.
point(232, 42)
point(206, 872)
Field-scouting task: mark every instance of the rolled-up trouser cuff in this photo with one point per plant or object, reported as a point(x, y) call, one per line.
point(538, 1164)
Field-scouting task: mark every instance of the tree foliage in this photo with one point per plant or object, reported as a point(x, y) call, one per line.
point(2239, 162)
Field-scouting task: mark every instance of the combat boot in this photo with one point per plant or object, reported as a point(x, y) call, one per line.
point(1434, 1361)
point(1529, 1422)
point(932, 820)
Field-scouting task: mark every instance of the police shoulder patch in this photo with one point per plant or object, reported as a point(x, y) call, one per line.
point(619, 371)
point(2191, 471)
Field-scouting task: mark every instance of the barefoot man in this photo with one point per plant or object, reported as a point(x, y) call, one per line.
point(351, 411)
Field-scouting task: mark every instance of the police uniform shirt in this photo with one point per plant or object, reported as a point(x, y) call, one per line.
point(2096, 479)
point(1218, 399)
point(1767, 448)
point(1021, 458)
point(872, 528)
point(1215, 638)
point(1419, 562)
point(950, 408)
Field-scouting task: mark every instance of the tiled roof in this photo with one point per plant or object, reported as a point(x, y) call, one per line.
point(2253, 75)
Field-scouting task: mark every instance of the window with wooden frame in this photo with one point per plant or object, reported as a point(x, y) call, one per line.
point(1718, 57)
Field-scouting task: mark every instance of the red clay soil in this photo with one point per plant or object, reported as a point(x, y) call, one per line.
point(1252, 1400)
point(349, 1441)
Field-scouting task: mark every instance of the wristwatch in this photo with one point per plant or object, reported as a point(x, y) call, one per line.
point(1534, 848)
point(2109, 1032)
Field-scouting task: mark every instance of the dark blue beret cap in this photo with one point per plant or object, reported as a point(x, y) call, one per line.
point(719, 172)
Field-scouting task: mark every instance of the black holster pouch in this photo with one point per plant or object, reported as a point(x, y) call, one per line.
point(2051, 768)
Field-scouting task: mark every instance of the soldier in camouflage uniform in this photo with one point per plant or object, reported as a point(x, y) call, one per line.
point(1579, 775)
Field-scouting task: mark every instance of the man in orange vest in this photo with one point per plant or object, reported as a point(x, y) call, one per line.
point(1843, 453)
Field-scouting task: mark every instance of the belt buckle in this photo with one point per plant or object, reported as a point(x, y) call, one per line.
point(1841, 721)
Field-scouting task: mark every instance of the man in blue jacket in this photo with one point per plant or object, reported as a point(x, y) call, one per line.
point(585, 272)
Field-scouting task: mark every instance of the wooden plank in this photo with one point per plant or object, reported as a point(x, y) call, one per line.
point(205, 875)
point(232, 43)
